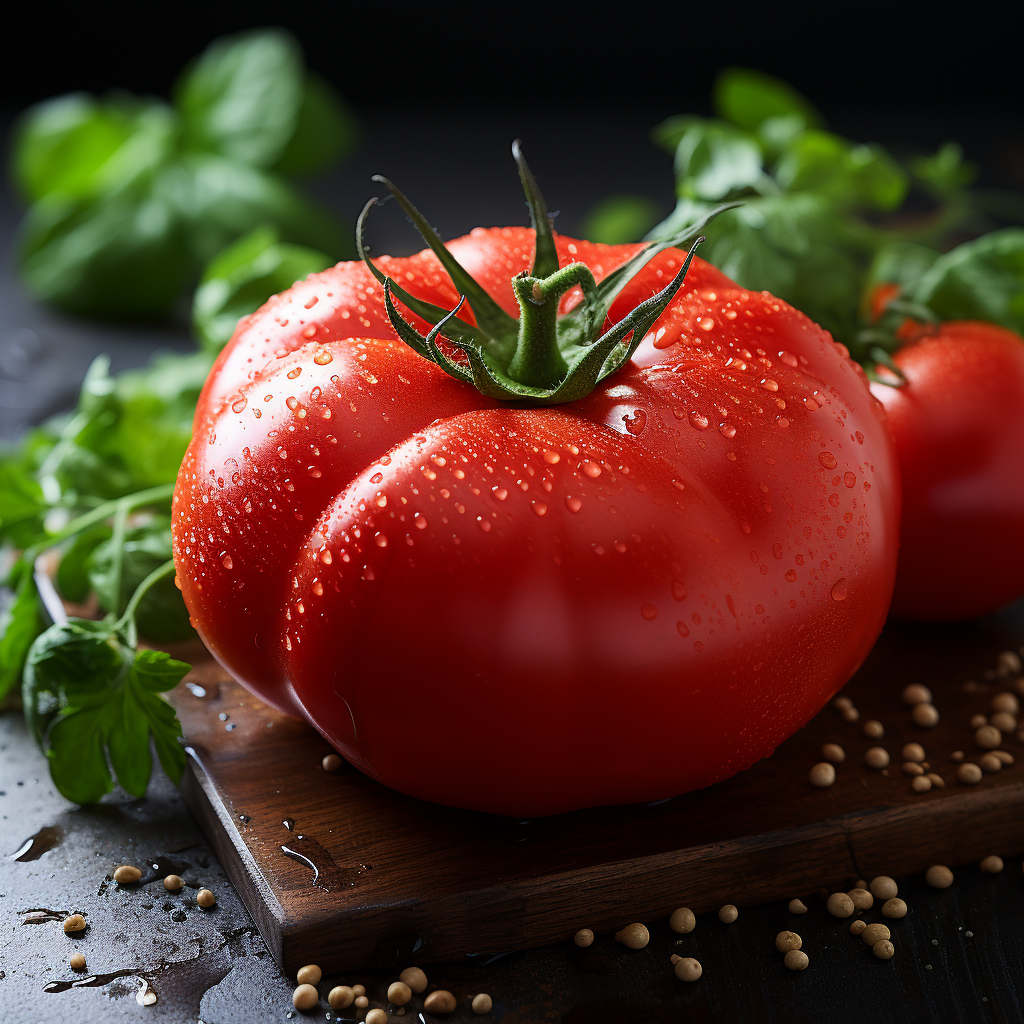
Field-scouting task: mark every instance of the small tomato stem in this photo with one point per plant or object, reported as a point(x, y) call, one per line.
point(117, 543)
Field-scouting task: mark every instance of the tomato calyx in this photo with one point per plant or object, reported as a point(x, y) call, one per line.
point(541, 358)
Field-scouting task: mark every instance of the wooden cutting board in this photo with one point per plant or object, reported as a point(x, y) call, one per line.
point(337, 870)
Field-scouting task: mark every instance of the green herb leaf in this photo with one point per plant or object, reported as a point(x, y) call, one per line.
point(161, 615)
point(241, 278)
point(23, 504)
point(979, 280)
point(72, 572)
point(90, 698)
point(946, 172)
point(21, 621)
point(326, 131)
point(749, 98)
point(713, 160)
point(620, 219)
point(242, 97)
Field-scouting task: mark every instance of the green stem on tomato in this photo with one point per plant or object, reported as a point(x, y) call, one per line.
point(127, 620)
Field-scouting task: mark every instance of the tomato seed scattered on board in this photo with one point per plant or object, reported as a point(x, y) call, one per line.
point(797, 907)
point(874, 933)
point(858, 926)
point(686, 968)
point(340, 997)
point(883, 887)
point(399, 993)
point(796, 960)
point(921, 784)
point(77, 962)
point(969, 773)
point(913, 752)
point(127, 874)
point(682, 921)
point(873, 729)
point(894, 908)
point(839, 905)
point(925, 715)
point(309, 975)
point(417, 980)
point(205, 898)
point(916, 693)
point(728, 914)
point(74, 923)
point(440, 1001)
point(584, 937)
point(822, 775)
point(787, 940)
point(481, 1003)
point(635, 936)
point(992, 865)
point(883, 949)
point(862, 899)
point(305, 997)
point(833, 752)
point(877, 758)
point(376, 1016)
point(938, 876)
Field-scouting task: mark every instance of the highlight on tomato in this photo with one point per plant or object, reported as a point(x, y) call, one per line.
point(523, 523)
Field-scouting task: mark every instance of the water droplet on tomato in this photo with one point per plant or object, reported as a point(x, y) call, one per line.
point(850, 479)
point(840, 589)
point(788, 358)
point(292, 374)
point(322, 358)
point(500, 493)
point(552, 457)
point(726, 429)
point(318, 588)
point(635, 423)
point(791, 575)
point(485, 524)
point(239, 405)
point(292, 402)
point(827, 459)
point(225, 560)
point(573, 504)
point(648, 611)
point(592, 469)
point(380, 540)
point(682, 628)
point(538, 507)
point(679, 590)
point(698, 420)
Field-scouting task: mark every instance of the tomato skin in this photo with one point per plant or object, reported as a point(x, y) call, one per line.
point(958, 425)
point(531, 610)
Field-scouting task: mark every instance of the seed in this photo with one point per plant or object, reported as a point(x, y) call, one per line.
point(925, 715)
point(636, 936)
point(936, 780)
point(862, 899)
point(785, 941)
point(481, 1003)
point(858, 926)
point(1004, 721)
point(173, 883)
point(126, 874)
point(957, 755)
point(205, 898)
point(894, 908)
point(305, 997)
point(399, 993)
point(584, 937)
point(990, 763)
point(938, 876)
point(875, 933)
point(822, 775)
point(331, 763)
point(1004, 755)
point(877, 757)
point(74, 923)
point(873, 729)
point(992, 865)
point(842, 703)
point(850, 715)
point(376, 1016)
point(441, 1001)
point(728, 914)
point(360, 990)
point(309, 975)
point(361, 1002)
point(916, 693)
point(969, 774)
point(796, 960)
point(417, 980)
point(686, 968)
point(834, 753)
point(860, 884)
point(921, 784)
point(1006, 702)
point(839, 905)
point(1008, 664)
point(977, 721)
point(912, 768)
point(77, 962)
point(913, 752)
point(883, 949)
point(340, 996)
point(883, 887)
point(988, 737)
point(797, 907)
point(682, 920)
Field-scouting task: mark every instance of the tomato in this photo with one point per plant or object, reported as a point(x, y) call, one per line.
point(527, 608)
point(958, 424)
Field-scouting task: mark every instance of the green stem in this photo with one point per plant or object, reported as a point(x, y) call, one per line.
point(538, 361)
point(127, 621)
point(117, 549)
point(150, 496)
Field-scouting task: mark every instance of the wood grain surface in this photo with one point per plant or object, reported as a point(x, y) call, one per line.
point(397, 879)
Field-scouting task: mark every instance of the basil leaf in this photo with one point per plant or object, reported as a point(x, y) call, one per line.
point(78, 145)
point(156, 671)
point(242, 96)
point(21, 622)
point(119, 255)
point(23, 504)
point(714, 160)
point(326, 130)
point(127, 737)
point(748, 98)
point(219, 199)
point(161, 615)
point(620, 219)
point(166, 730)
point(978, 280)
point(817, 161)
point(243, 277)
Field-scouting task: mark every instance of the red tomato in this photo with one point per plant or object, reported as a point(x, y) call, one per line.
point(958, 424)
point(529, 610)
